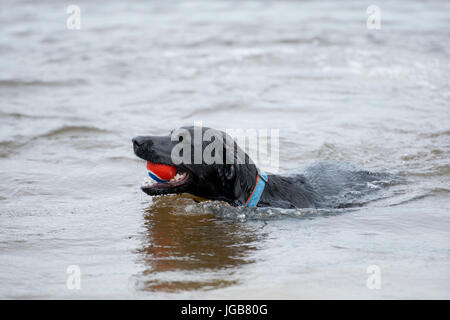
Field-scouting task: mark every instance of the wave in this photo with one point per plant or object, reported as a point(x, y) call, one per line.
point(71, 129)
point(435, 134)
point(8, 147)
point(18, 115)
point(190, 205)
point(17, 83)
point(421, 195)
point(232, 42)
point(216, 108)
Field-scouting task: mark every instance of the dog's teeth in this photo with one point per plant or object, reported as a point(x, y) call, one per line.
point(148, 182)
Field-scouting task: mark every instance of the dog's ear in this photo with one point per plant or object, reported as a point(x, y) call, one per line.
point(227, 174)
point(237, 188)
point(229, 171)
point(234, 176)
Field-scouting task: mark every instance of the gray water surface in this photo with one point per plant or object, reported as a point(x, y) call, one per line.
point(71, 100)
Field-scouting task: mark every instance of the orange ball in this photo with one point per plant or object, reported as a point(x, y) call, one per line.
point(161, 172)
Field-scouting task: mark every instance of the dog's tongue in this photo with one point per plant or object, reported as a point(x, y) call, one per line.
point(163, 171)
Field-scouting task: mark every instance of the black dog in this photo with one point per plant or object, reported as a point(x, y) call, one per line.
point(241, 183)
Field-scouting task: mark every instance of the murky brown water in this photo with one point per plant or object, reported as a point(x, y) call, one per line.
point(70, 101)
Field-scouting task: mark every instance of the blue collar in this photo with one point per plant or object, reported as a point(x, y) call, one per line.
point(261, 180)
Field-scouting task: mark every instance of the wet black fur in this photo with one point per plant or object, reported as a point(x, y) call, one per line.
point(320, 185)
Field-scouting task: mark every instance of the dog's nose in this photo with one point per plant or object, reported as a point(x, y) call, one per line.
point(138, 141)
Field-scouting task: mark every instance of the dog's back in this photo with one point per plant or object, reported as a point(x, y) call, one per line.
point(337, 181)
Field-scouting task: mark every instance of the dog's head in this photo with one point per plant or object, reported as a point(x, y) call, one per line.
point(209, 164)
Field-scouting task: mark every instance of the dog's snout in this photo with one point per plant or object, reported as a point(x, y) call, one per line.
point(138, 141)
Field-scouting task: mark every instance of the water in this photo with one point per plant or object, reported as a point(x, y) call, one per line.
point(70, 101)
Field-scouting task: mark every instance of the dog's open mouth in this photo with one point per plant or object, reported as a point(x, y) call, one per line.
point(177, 184)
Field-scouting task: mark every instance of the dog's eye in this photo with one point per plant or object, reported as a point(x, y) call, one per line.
point(180, 138)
